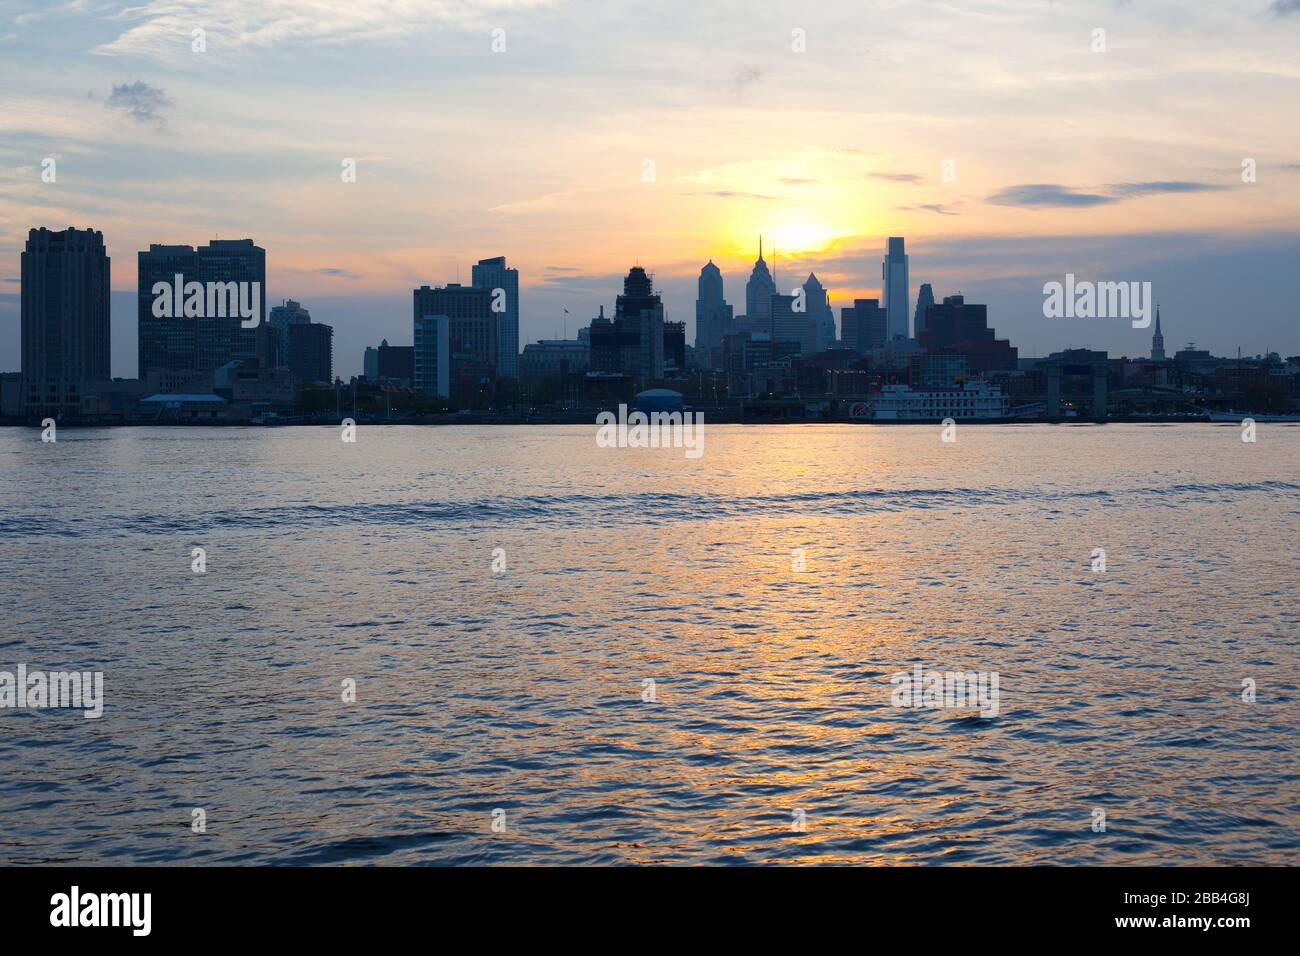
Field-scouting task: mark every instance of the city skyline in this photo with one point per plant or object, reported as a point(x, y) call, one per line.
point(825, 131)
point(125, 326)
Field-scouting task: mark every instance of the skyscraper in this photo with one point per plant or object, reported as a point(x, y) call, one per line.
point(819, 311)
point(712, 314)
point(789, 325)
point(471, 335)
point(492, 274)
point(924, 299)
point(893, 273)
point(65, 318)
point(282, 316)
point(639, 309)
point(211, 340)
point(958, 327)
point(432, 358)
point(1158, 341)
point(759, 291)
point(864, 326)
point(310, 353)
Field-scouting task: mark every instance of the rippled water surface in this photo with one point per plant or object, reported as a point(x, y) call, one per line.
point(1120, 690)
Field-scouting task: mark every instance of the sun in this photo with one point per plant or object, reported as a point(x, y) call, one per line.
point(797, 236)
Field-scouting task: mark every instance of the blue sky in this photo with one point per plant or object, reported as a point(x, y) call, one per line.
point(826, 129)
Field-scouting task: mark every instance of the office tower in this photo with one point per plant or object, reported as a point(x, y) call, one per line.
point(759, 291)
point(864, 326)
point(370, 364)
point(640, 311)
point(674, 346)
point(211, 340)
point(961, 328)
point(791, 326)
point(65, 319)
point(1158, 341)
point(819, 311)
point(712, 314)
point(492, 274)
point(432, 355)
point(282, 316)
point(893, 273)
point(473, 353)
point(310, 352)
point(924, 299)
point(396, 363)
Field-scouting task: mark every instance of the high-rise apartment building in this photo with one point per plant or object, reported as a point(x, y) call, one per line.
point(206, 341)
point(65, 319)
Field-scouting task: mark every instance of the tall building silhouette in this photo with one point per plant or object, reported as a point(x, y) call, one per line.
point(282, 316)
point(893, 273)
point(819, 311)
point(924, 299)
point(310, 354)
point(65, 319)
point(1158, 341)
point(207, 342)
point(712, 313)
point(471, 347)
point(864, 326)
point(958, 327)
point(431, 355)
point(789, 325)
point(633, 343)
point(492, 274)
point(759, 291)
point(638, 307)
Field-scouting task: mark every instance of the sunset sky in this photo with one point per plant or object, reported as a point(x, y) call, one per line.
point(1122, 164)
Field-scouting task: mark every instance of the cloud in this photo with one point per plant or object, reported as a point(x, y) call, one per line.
point(337, 273)
point(1282, 8)
point(897, 177)
point(1127, 190)
point(1046, 194)
point(144, 102)
point(938, 207)
point(734, 194)
point(163, 30)
point(746, 77)
point(1054, 195)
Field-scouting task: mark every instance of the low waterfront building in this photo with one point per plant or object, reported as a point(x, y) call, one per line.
point(553, 359)
point(183, 408)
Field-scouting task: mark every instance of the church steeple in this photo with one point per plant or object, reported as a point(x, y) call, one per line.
point(1158, 340)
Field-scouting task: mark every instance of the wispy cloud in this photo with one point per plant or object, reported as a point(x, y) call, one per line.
point(1282, 8)
point(162, 27)
point(1055, 195)
point(733, 194)
point(896, 177)
point(1126, 190)
point(1047, 194)
point(936, 207)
